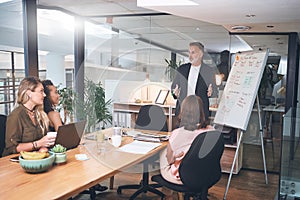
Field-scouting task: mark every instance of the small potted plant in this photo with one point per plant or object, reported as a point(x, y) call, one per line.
point(60, 153)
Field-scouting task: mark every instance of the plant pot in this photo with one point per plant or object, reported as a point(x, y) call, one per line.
point(60, 157)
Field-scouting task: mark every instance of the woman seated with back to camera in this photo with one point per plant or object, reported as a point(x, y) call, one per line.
point(192, 123)
point(27, 124)
point(51, 100)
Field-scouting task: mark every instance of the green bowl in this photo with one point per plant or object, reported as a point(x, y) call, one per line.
point(37, 166)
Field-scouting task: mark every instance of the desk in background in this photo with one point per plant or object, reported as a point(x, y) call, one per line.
point(122, 110)
point(67, 180)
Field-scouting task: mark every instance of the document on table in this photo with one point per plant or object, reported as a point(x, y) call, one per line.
point(139, 147)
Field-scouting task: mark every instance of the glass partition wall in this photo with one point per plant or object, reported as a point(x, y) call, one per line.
point(11, 53)
point(130, 56)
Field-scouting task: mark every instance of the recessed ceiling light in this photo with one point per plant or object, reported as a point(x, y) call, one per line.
point(197, 29)
point(240, 28)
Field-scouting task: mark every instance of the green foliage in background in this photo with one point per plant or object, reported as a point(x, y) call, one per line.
point(171, 68)
point(94, 109)
point(67, 101)
point(95, 106)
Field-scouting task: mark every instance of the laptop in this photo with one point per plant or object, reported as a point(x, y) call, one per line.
point(69, 135)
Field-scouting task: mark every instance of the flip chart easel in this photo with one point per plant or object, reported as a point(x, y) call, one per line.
point(239, 96)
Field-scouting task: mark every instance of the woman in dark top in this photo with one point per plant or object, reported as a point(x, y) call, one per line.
point(51, 100)
point(27, 124)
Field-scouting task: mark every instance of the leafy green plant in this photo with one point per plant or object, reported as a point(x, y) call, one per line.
point(171, 68)
point(67, 102)
point(58, 148)
point(95, 106)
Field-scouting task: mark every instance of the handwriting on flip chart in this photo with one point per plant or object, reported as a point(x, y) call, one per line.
point(241, 89)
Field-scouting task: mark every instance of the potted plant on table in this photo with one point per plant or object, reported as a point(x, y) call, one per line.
point(60, 153)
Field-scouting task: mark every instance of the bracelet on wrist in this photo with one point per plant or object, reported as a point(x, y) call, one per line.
point(35, 145)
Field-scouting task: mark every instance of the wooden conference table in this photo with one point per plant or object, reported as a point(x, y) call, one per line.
point(66, 180)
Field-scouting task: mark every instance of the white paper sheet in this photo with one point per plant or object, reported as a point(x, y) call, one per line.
point(139, 147)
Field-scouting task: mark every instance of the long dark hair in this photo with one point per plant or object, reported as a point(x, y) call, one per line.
point(192, 115)
point(48, 105)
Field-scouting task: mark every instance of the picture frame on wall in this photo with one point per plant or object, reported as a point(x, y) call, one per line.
point(161, 97)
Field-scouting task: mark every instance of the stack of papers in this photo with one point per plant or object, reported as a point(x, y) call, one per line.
point(146, 139)
point(139, 147)
point(151, 137)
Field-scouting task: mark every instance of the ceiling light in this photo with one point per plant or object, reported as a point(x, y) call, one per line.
point(240, 28)
point(145, 3)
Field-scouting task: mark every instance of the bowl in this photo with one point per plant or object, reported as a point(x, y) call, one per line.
point(37, 166)
point(59, 157)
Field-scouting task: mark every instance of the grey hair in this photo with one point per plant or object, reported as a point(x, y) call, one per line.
point(198, 44)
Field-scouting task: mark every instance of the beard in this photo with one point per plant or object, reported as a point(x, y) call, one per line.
point(196, 60)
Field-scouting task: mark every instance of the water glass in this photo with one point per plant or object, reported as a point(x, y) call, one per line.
point(101, 142)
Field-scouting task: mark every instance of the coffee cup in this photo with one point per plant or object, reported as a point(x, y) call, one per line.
point(52, 134)
point(116, 138)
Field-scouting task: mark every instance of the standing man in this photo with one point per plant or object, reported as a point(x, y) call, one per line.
point(194, 78)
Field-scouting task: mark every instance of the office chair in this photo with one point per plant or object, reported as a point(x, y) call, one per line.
point(150, 117)
point(200, 168)
point(2, 133)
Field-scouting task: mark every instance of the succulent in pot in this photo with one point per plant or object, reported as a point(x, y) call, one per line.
point(60, 153)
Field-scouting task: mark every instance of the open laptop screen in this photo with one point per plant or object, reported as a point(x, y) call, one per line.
point(69, 135)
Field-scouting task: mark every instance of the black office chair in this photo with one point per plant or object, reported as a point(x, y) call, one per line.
point(2, 133)
point(200, 168)
point(150, 117)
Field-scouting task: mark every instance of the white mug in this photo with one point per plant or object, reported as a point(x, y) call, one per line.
point(116, 140)
point(52, 134)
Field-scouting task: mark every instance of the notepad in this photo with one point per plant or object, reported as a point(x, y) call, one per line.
point(139, 147)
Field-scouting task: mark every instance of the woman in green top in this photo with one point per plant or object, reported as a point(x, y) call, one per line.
point(27, 124)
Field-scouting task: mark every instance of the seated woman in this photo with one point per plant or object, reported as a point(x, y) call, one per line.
point(27, 124)
point(51, 100)
point(192, 123)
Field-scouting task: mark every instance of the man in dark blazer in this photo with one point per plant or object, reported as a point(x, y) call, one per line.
point(194, 78)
